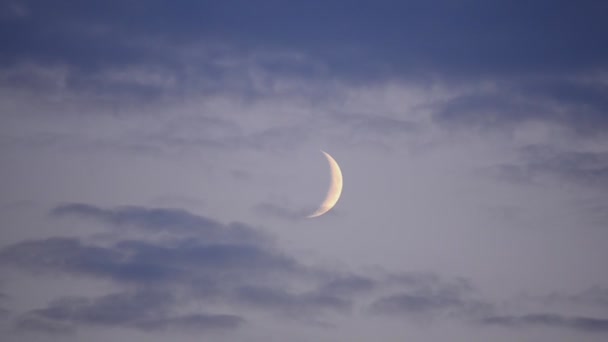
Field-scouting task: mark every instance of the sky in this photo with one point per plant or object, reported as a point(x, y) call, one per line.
point(159, 158)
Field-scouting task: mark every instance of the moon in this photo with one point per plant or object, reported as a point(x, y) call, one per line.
point(335, 188)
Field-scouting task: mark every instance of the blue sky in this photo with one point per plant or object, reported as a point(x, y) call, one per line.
point(158, 158)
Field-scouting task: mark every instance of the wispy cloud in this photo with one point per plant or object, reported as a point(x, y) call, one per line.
point(539, 163)
point(587, 324)
point(175, 221)
point(144, 310)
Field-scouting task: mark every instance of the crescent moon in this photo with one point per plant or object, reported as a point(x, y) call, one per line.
point(335, 188)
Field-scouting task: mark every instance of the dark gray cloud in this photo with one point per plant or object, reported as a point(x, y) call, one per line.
point(202, 251)
point(586, 98)
point(176, 221)
point(4, 312)
point(70, 255)
point(141, 262)
point(35, 323)
point(109, 309)
point(143, 310)
point(194, 322)
point(3, 299)
point(160, 219)
point(431, 282)
point(349, 285)
point(589, 168)
point(447, 301)
point(586, 324)
point(430, 296)
point(290, 304)
point(595, 296)
point(409, 303)
point(363, 41)
point(577, 104)
point(539, 163)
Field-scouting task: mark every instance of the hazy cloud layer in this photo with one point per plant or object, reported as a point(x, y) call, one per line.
point(223, 266)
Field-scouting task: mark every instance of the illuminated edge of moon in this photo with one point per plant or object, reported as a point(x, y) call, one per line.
point(335, 188)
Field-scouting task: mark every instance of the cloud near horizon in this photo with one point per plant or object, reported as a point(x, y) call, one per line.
point(234, 267)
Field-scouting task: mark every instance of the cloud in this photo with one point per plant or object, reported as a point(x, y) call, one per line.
point(408, 303)
point(593, 297)
point(196, 250)
point(144, 310)
point(187, 133)
point(202, 260)
point(63, 255)
point(586, 324)
point(196, 322)
point(142, 262)
point(281, 212)
point(290, 304)
point(234, 272)
point(596, 296)
point(575, 104)
point(504, 37)
point(541, 162)
point(582, 102)
point(430, 296)
point(13, 10)
point(4, 312)
point(175, 221)
point(487, 110)
point(212, 47)
point(375, 123)
point(35, 323)
point(557, 317)
point(349, 285)
point(238, 274)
